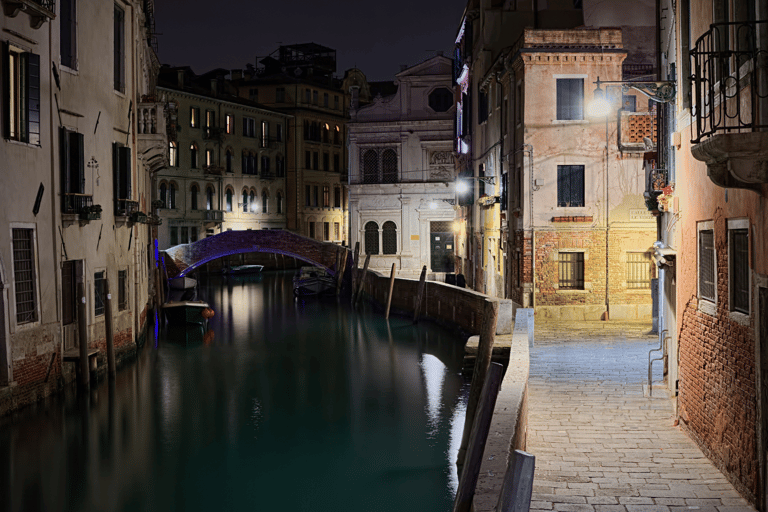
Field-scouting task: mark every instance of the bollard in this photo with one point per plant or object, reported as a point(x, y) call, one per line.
point(361, 279)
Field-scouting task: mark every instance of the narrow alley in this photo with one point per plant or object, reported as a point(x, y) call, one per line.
point(600, 444)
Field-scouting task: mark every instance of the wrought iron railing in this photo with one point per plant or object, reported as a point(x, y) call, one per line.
point(214, 215)
point(126, 207)
point(47, 4)
point(726, 64)
point(76, 203)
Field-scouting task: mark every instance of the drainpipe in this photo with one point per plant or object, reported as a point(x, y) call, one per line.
point(528, 148)
point(607, 224)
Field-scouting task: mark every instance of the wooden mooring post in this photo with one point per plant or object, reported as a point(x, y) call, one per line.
point(482, 363)
point(340, 270)
point(111, 368)
point(82, 335)
point(391, 288)
point(361, 279)
point(420, 293)
point(480, 427)
point(355, 262)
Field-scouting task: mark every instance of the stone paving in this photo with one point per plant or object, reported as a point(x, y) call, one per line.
point(602, 446)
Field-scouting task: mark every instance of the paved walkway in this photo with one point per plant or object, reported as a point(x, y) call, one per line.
point(600, 445)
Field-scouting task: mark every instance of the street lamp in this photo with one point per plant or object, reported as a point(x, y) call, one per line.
point(662, 91)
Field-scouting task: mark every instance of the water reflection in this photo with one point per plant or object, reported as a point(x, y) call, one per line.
point(292, 405)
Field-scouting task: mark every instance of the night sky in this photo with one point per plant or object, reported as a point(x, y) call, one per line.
point(376, 37)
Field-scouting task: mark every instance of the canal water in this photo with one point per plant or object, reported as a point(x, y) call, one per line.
point(289, 404)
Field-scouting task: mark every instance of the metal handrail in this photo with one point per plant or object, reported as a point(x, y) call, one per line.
point(725, 63)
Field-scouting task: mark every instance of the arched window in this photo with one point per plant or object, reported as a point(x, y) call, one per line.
point(370, 167)
point(163, 195)
point(172, 195)
point(252, 163)
point(389, 238)
point(229, 160)
point(279, 202)
point(245, 201)
point(173, 154)
point(193, 197)
point(389, 166)
point(264, 201)
point(371, 238)
point(193, 155)
point(229, 199)
point(209, 198)
point(244, 164)
point(253, 201)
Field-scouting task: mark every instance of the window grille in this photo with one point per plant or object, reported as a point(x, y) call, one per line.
point(98, 293)
point(389, 166)
point(389, 238)
point(24, 275)
point(336, 231)
point(571, 270)
point(370, 167)
point(739, 270)
point(706, 265)
point(326, 231)
point(638, 270)
point(570, 185)
point(371, 238)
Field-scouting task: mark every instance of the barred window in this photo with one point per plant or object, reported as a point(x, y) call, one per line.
point(371, 238)
point(122, 290)
point(638, 270)
point(98, 293)
point(389, 166)
point(370, 167)
point(389, 238)
point(24, 275)
point(336, 231)
point(571, 270)
point(739, 271)
point(707, 265)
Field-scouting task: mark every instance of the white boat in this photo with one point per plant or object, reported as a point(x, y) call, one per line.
point(313, 281)
point(182, 283)
point(242, 269)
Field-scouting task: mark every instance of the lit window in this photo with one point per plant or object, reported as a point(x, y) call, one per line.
point(209, 157)
point(173, 154)
point(230, 123)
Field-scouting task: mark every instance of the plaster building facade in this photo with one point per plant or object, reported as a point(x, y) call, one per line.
point(401, 172)
point(555, 218)
point(227, 160)
point(76, 173)
point(299, 81)
point(713, 239)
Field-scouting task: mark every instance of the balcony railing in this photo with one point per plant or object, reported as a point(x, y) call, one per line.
point(82, 205)
point(126, 207)
point(214, 215)
point(39, 11)
point(725, 81)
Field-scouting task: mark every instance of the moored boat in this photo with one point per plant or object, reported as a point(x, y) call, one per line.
point(313, 281)
point(242, 269)
point(182, 283)
point(187, 312)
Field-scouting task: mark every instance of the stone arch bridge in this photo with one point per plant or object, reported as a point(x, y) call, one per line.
point(180, 260)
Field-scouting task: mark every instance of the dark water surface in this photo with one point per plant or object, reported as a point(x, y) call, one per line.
point(294, 405)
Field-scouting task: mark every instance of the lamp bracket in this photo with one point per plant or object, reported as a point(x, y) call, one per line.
point(662, 91)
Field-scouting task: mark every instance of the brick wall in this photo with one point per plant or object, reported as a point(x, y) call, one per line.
point(717, 390)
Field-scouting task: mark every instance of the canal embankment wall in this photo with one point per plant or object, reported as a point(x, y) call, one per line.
point(464, 309)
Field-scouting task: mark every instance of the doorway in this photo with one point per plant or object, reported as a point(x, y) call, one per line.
point(71, 273)
point(441, 246)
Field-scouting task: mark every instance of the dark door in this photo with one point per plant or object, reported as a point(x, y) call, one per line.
point(441, 246)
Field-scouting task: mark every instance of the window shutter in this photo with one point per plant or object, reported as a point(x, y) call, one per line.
point(77, 158)
point(563, 186)
point(706, 265)
point(577, 185)
point(116, 176)
point(32, 130)
point(125, 171)
point(66, 33)
point(66, 184)
point(503, 192)
point(6, 90)
point(577, 98)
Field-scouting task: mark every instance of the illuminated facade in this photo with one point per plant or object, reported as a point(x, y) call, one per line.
point(227, 160)
point(298, 81)
point(401, 173)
